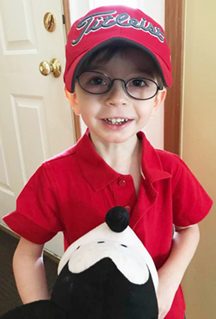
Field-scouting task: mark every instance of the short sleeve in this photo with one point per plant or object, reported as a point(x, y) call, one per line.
point(191, 203)
point(36, 216)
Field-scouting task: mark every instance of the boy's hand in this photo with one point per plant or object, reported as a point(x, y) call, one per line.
point(165, 296)
point(185, 241)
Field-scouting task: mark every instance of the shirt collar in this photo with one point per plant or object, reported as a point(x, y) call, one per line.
point(151, 163)
point(99, 174)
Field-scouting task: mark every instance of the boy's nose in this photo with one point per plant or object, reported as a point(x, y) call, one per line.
point(117, 95)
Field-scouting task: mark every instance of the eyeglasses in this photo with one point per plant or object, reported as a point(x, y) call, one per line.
point(138, 88)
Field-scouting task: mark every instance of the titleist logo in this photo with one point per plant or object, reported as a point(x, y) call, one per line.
point(108, 19)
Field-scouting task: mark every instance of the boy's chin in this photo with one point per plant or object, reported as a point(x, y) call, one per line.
point(113, 137)
point(120, 138)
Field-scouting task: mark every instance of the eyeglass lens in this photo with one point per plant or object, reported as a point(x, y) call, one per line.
point(98, 83)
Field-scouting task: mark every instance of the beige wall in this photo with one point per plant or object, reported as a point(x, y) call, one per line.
point(199, 146)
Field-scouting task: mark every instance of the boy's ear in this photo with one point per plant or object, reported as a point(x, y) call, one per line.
point(72, 98)
point(160, 97)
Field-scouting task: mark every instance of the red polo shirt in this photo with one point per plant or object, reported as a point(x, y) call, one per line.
point(73, 191)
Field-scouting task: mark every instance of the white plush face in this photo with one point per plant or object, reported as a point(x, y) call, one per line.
point(124, 249)
point(127, 260)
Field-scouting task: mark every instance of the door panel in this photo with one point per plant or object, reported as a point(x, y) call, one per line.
point(35, 119)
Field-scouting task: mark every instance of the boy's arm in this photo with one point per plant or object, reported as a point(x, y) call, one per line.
point(185, 242)
point(29, 271)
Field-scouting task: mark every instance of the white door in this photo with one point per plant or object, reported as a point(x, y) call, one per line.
point(35, 119)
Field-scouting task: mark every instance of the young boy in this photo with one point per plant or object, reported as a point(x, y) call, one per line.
point(117, 70)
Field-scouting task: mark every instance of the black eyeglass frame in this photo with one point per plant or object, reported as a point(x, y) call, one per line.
point(111, 81)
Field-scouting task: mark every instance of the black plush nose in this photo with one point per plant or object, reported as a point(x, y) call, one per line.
point(117, 218)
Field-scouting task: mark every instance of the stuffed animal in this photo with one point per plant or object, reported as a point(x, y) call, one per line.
point(105, 274)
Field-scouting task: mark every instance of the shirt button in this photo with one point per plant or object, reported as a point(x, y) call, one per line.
point(122, 182)
point(128, 208)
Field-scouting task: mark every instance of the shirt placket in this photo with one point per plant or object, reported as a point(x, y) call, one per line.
point(123, 191)
point(146, 199)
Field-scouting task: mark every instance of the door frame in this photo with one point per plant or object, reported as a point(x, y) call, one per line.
point(174, 26)
point(67, 22)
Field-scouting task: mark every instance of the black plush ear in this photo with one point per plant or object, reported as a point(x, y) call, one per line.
point(117, 218)
point(42, 309)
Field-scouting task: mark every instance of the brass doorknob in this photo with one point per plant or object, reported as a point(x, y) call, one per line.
point(53, 66)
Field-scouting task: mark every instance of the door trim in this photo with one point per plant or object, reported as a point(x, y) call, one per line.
point(174, 27)
point(67, 21)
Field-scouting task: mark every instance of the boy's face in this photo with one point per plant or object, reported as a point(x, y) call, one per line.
point(115, 117)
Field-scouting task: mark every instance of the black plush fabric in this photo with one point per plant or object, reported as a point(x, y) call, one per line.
point(102, 292)
point(43, 309)
point(117, 218)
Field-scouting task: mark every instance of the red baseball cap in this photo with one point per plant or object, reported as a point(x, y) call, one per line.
point(106, 24)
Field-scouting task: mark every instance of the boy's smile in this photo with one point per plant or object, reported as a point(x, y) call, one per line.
point(116, 117)
point(116, 121)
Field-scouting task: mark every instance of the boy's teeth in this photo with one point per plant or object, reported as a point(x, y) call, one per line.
point(116, 121)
